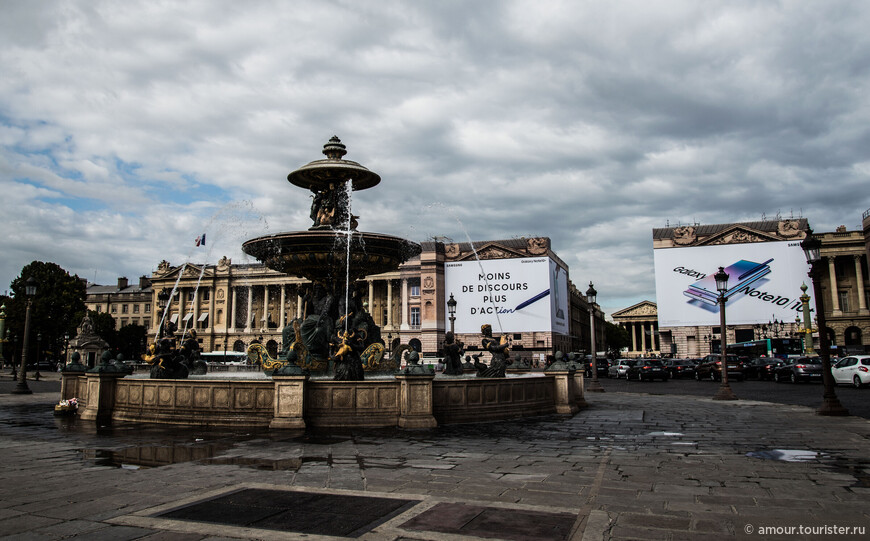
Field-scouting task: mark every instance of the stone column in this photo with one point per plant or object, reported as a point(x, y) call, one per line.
point(298, 304)
point(212, 316)
point(281, 320)
point(835, 299)
point(859, 274)
point(389, 323)
point(415, 401)
point(232, 323)
point(265, 318)
point(643, 336)
point(289, 402)
point(633, 337)
point(250, 315)
point(371, 295)
point(404, 325)
point(195, 317)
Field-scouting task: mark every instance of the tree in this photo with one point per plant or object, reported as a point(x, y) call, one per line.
point(59, 297)
point(104, 327)
point(617, 337)
point(131, 340)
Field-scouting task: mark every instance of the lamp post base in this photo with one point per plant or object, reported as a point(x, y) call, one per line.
point(594, 386)
point(725, 393)
point(21, 388)
point(832, 407)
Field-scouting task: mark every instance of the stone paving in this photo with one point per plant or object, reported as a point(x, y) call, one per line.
point(630, 466)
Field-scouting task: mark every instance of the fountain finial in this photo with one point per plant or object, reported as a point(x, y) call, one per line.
point(334, 149)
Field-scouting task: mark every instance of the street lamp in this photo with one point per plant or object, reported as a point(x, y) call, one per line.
point(725, 392)
point(162, 300)
point(30, 292)
point(595, 386)
point(451, 309)
point(812, 248)
point(2, 334)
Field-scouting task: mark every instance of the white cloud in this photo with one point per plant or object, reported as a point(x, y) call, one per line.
point(128, 129)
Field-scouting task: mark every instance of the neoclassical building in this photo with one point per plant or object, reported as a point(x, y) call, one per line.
point(229, 305)
point(641, 322)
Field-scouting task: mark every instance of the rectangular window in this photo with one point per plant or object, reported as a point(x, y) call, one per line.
point(125, 308)
point(415, 291)
point(844, 300)
point(99, 309)
point(190, 296)
point(114, 308)
point(135, 308)
point(415, 316)
point(205, 294)
point(840, 269)
point(147, 307)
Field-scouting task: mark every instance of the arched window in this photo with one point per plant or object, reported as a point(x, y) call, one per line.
point(238, 345)
point(272, 348)
point(852, 337)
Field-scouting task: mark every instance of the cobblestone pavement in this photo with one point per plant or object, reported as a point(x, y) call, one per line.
point(630, 466)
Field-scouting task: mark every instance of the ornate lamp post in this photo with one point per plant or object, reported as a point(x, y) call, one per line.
point(812, 248)
point(451, 309)
point(2, 334)
point(30, 291)
point(725, 392)
point(595, 386)
point(14, 339)
point(808, 322)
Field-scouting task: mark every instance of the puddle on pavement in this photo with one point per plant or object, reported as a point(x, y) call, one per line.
point(859, 469)
point(789, 455)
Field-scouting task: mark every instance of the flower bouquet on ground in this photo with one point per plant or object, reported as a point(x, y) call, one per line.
point(66, 407)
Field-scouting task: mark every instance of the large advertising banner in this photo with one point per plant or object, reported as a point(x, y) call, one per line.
point(764, 283)
point(513, 295)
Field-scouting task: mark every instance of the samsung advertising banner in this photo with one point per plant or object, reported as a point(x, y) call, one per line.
point(513, 295)
point(764, 280)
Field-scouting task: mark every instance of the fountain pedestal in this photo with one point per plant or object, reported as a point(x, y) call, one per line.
point(289, 401)
point(415, 401)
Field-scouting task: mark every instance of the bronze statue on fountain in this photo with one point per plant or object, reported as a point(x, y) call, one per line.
point(335, 327)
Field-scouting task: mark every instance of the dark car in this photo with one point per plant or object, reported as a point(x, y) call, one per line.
point(645, 369)
point(711, 368)
point(682, 368)
point(603, 365)
point(800, 369)
point(761, 368)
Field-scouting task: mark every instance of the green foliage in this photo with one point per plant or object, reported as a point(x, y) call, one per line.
point(617, 337)
point(104, 326)
point(59, 297)
point(130, 341)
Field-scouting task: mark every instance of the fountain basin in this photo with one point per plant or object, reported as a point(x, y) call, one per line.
point(315, 253)
point(404, 401)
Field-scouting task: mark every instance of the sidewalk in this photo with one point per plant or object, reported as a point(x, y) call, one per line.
point(629, 467)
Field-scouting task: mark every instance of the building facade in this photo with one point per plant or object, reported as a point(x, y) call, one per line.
point(641, 322)
point(230, 305)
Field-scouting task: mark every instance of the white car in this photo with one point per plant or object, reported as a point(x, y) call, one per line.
point(854, 370)
point(619, 368)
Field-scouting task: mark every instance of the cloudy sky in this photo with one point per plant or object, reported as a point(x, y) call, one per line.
point(129, 128)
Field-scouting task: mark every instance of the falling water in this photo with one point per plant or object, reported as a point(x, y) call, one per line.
point(347, 191)
point(473, 249)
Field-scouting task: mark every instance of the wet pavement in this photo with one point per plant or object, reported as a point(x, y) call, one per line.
point(631, 466)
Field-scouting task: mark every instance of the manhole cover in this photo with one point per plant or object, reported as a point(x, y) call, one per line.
point(293, 511)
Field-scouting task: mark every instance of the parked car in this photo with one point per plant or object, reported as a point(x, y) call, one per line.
point(761, 368)
point(644, 369)
point(682, 368)
point(711, 368)
point(602, 367)
point(619, 368)
point(853, 370)
point(799, 369)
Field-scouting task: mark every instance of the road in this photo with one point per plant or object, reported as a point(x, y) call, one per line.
point(857, 401)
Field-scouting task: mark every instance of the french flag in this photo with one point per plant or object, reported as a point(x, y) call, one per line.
point(200, 241)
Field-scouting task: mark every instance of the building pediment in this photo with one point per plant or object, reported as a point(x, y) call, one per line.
point(490, 250)
point(645, 309)
point(738, 234)
point(165, 272)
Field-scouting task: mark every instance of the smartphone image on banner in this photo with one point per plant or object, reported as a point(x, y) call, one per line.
point(740, 274)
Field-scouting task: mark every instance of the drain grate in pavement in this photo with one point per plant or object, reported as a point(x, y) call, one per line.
point(293, 511)
point(493, 522)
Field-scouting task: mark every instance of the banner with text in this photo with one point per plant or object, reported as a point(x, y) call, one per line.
point(512, 295)
point(764, 283)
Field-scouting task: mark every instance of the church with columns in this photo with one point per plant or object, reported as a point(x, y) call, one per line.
point(230, 305)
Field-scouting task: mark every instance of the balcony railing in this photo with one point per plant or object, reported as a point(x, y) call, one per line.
point(866, 214)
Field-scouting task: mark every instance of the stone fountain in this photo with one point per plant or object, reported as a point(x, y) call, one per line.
point(336, 334)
